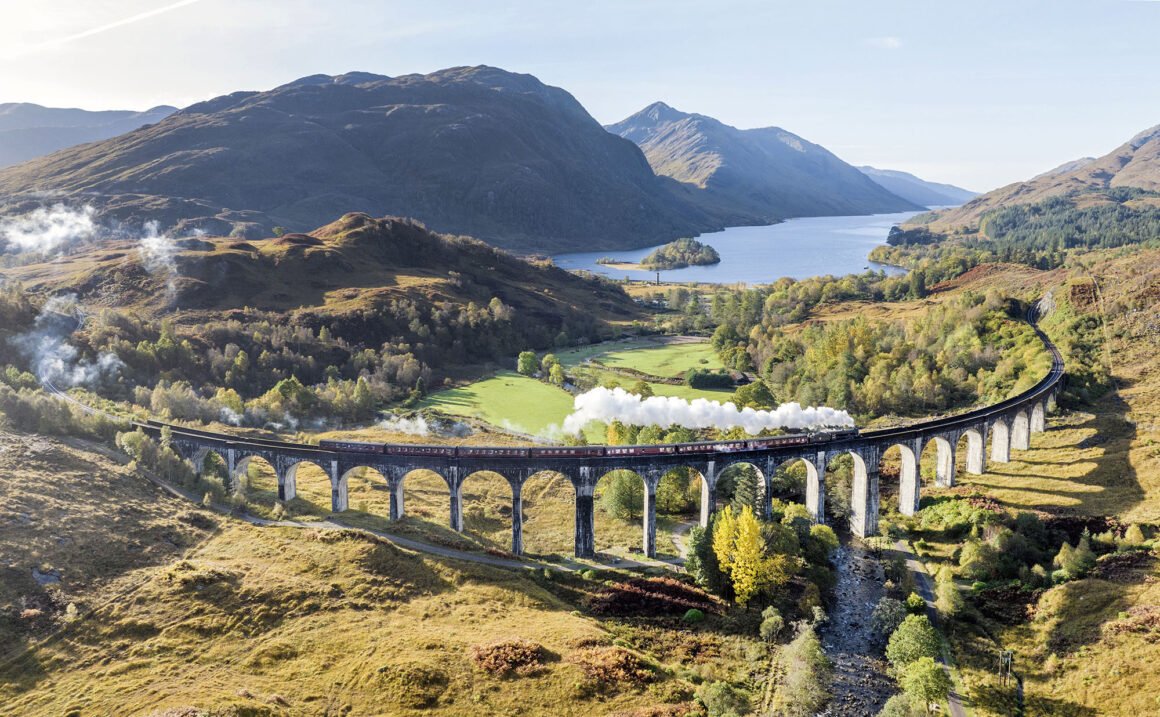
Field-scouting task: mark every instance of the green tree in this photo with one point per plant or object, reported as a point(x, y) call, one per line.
point(805, 675)
point(548, 362)
point(702, 561)
point(527, 363)
point(771, 624)
point(754, 395)
point(901, 705)
point(556, 374)
point(949, 600)
point(915, 638)
point(745, 493)
point(925, 681)
point(721, 699)
point(1133, 535)
point(642, 388)
point(676, 492)
point(623, 496)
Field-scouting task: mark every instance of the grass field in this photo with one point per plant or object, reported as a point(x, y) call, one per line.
point(673, 360)
point(518, 403)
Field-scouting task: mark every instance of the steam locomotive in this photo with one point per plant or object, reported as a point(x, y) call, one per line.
point(660, 449)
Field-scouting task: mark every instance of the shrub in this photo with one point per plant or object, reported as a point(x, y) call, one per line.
point(915, 605)
point(506, 657)
point(722, 698)
point(693, 616)
point(806, 672)
point(609, 667)
point(650, 597)
point(772, 624)
point(902, 706)
point(1133, 535)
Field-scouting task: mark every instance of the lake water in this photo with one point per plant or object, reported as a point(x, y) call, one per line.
point(800, 248)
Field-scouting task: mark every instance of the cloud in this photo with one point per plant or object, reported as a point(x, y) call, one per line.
point(888, 42)
point(606, 405)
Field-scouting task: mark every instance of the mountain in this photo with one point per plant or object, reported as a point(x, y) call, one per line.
point(919, 191)
point(1136, 163)
point(28, 131)
point(757, 175)
point(1066, 167)
point(467, 150)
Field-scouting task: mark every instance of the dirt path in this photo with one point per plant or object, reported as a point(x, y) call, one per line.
point(860, 686)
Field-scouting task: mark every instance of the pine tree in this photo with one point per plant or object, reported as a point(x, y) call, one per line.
point(745, 488)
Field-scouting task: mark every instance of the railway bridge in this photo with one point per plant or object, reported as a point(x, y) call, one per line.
point(1004, 427)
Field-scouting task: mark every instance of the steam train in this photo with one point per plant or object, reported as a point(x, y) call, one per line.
point(660, 449)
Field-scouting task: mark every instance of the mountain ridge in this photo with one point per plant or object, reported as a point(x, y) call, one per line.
point(763, 175)
point(29, 130)
point(915, 189)
point(466, 150)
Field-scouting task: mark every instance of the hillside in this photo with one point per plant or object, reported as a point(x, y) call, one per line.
point(1134, 164)
point(28, 131)
point(762, 175)
point(468, 150)
point(345, 266)
point(919, 191)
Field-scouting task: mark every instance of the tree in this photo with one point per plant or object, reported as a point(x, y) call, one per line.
point(887, 615)
point(548, 362)
point(745, 494)
point(925, 681)
point(642, 388)
point(1133, 535)
point(948, 599)
point(676, 492)
point(527, 363)
point(806, 672)
point(901, 705)
point(623, 497)
point(702, 561)
point(771, 624)
point(754, 395)
point(749, 569)
point(556, 374)
point(1076, 562)
point(724, 539)
point(915, 638)
point(721, 699)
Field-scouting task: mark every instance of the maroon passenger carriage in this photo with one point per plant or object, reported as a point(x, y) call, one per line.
point(659, 449)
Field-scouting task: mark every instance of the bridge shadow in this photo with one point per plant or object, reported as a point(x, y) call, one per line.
point(1080, 465)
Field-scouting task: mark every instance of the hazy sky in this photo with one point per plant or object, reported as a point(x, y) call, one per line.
point(975, 93)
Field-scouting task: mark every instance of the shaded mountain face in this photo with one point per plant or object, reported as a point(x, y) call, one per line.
point(756, 176)
point(919, 191)
point(1136, 163)
point(28, 131)
point(476, 151)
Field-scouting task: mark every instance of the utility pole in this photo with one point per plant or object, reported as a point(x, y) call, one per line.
point(1006, 666)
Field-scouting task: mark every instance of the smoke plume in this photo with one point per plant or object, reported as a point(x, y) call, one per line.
point(606, 405)
point(46, 230)
point(53, 359)
point(416, 426)
point(157, 251)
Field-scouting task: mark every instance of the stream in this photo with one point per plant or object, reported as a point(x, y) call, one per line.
point(860, 685)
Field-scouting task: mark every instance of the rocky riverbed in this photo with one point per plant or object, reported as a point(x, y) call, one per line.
point(860, 686)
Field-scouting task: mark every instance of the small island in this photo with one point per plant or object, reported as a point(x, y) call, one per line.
point(680, 254)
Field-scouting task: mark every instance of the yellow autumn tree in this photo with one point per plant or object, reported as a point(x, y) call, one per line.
point(724, 539)
point(749, 568)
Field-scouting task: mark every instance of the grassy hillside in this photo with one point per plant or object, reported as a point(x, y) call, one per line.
point(281, 621)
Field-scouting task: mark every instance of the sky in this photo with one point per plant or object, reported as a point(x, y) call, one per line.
point(977, 93)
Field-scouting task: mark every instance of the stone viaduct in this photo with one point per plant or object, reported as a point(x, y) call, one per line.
point(1005, 426)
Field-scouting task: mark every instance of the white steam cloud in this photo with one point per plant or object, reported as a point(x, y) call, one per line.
point(606, 405)
point(411, 426)
point(48, 229)
point(53, 359)
point(157, 251)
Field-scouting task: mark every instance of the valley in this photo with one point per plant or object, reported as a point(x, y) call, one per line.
point(337, 384)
